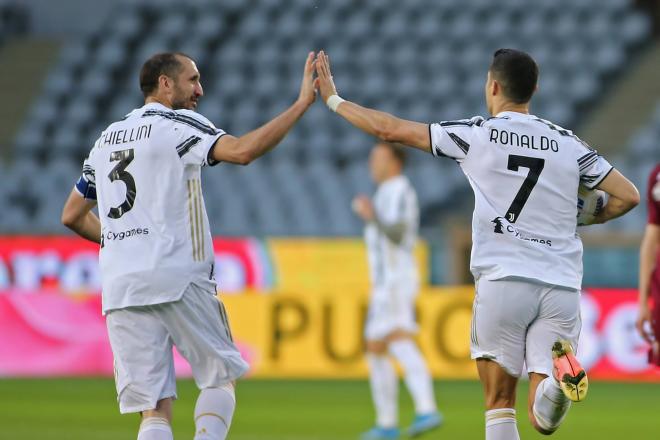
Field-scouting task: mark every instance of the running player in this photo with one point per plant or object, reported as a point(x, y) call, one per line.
point(649, 271)
point(526, 254)
point(156, 252)
point(390, 232)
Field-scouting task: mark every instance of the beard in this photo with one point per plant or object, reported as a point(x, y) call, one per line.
point(180, 101)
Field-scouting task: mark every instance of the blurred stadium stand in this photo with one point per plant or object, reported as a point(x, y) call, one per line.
point(414, 58)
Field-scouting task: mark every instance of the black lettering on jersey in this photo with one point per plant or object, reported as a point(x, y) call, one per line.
point(117, 137)
point(505, 137)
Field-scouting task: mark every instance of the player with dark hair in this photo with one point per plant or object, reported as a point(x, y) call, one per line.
point(649, 271)
point(390, 233)
point(526, 254)
point(156, 254)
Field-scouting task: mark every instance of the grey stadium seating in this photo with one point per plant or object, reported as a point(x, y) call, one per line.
point(423, 60)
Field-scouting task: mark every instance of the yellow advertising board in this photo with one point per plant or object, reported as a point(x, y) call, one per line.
point(337, 265)
point(292, 334)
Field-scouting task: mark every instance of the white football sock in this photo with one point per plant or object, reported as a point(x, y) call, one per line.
point(501, 424)
point(384, 390)
point(416, 374)
point(155, 428)
point(550, 404)
point(213, 412)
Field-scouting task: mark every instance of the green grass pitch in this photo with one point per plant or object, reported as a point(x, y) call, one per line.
point(85, 409)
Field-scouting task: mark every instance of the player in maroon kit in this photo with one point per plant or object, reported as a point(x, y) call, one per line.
point(649, 271)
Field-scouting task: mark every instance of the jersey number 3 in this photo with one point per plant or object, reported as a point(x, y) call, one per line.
point(535, 166)
point(125, 157)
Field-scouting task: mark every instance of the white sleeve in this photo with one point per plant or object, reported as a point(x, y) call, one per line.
point(453, 138)
point(399, 208)
point(197, 136)
point(593, 167)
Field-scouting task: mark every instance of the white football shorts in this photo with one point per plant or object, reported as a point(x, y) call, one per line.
point(517, 321)
point(142, 339)
point(391, 309)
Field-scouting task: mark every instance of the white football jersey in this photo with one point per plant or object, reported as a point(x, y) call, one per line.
point(525, 173)
point(144, 172)
point(390, 264)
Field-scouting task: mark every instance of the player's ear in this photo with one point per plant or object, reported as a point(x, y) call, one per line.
point(495, 88)
point(164, 82)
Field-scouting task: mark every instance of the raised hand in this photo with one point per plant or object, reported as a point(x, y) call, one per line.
point(363, 208)
point(324, 82)
point(307, 88)
point(643, 320)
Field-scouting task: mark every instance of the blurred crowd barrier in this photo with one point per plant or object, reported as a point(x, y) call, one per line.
point(297, 310)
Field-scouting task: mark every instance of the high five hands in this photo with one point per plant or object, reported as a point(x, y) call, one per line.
point(323, 82)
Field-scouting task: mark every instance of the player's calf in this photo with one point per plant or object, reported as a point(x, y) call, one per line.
point(213, 412)
point(549, 406)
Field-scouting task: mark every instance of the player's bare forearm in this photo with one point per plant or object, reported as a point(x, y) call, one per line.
point(258, 142)
point(250, 146)
point(77, 215)
point(614, 208)
point(648, 254)
point(89, 227)
point(623, 196)
point(377, 123)
point(394, 231)
point(385, 126)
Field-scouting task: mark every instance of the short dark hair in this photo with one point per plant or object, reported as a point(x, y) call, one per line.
point(517, 73)
point(165, 63)
point(398, 151)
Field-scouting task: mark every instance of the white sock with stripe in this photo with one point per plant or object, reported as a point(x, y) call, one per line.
point(155, 428)
point(550, 404)
point(501, 424)
point(213, 412)
point(384, 390)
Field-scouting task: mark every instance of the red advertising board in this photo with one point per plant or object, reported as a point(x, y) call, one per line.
point(70, 265)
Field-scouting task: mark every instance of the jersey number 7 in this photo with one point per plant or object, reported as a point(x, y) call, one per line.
point(125, 157)
point(535, 166)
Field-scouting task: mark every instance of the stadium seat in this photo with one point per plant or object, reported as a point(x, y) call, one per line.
point(417, 59)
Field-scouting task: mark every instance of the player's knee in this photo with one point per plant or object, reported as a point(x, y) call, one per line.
point(376, 347)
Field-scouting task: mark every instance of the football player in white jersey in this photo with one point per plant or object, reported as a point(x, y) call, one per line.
point(526, 255)
point(156, 253)
point(390, 233)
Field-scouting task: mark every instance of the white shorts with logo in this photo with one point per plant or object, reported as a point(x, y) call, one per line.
point(142, 339)
point(517, 321)
point(391, 309)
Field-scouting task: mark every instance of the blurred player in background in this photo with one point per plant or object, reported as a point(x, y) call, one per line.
point(156, 254)
point(526, 254)
point(391, 224)
point(648, 322)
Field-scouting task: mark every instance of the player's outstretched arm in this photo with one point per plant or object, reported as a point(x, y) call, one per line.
point(383, 125)
point(623, 196)
point(648, 253)
point(243, 150)
point(77, 215)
